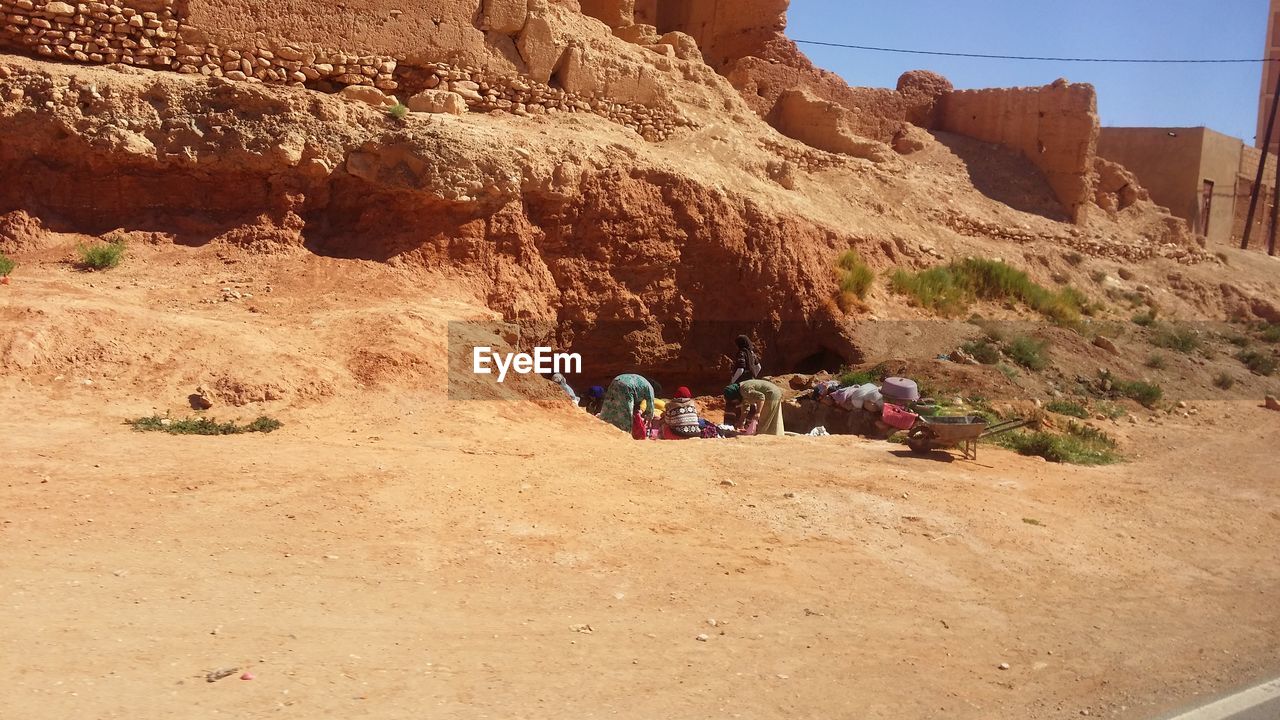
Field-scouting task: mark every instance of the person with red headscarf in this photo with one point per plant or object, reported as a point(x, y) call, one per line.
point(680, 420)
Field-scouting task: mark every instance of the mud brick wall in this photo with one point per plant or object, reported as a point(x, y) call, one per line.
point(1056, 126)
point(154, 34)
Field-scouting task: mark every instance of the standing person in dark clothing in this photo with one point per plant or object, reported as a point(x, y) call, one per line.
point(745, 367)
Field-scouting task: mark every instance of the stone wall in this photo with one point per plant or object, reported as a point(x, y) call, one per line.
point(157, 35)
point(1055, 126)
point(136, 32)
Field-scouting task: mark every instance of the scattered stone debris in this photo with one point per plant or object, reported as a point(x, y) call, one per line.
point(216, 675)
point(200, 399)
point(582, 628)
point(1003, 666)
point(1106, 344)
point(702, 637)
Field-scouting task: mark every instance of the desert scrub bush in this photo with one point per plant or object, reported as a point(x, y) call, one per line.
point(1028, 352)
point(1068, 408)
point(101, 256)
point(1109, 410)
point(1157, 362)
point(1008, 371)
point(984, 351)
point(1240, 341)
point(1258, 362)
point(855, 278)
point(1224, 381)
point(1079, 445)
point(203, 426)
point(1180, 338)
point(399, 111)
point(949, 289)
point(1146, 319)
point(1145, 393)
point(992, 330)
point(1270, 334)
point(6, 265)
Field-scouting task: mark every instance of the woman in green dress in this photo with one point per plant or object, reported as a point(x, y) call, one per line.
point(622, 399)
point(767, 398)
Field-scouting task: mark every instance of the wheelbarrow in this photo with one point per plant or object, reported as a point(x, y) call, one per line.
point(963, 432)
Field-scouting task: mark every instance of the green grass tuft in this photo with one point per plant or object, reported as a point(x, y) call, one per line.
point(1109, 410)
point(950, 289)
point(1157, 362)
point(1148, 394)
point(849, 377)
point(1181, 338)
point(6, 265)
point(1146, 319)
point(1258, 362)
point(1028, 352)
point(984, 351)
point(1079, 445)
point(1066, 407)
point(399, 111)
point(1224, 381)
point(1270, 333)
point(203, 426)
point(855, 280)
point(101, 256)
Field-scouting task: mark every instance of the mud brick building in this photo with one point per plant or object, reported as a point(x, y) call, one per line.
point(1202, 176)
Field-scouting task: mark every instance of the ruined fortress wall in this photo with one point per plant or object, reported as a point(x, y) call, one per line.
point(445, 31)
point(1055, 126)
point(131, 32)
point(505, 68)
point(726, 29)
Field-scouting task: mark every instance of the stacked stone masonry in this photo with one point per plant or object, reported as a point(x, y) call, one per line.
point(93, 32)
point(148, 33)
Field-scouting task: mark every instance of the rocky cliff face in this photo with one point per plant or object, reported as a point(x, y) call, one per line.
point(592, 176)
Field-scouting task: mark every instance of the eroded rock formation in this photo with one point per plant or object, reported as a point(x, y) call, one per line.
point(621, 249)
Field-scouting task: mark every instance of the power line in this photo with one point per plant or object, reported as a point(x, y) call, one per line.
point(1032, 57)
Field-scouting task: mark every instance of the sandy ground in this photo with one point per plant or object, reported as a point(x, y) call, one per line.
point(391, 553)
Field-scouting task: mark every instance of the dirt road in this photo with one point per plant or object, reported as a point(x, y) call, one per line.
point(392, 563)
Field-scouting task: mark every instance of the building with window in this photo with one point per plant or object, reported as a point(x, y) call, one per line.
point(1202, 176)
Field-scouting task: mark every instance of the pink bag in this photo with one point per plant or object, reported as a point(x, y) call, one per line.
point(897, 418)
point(639, 428)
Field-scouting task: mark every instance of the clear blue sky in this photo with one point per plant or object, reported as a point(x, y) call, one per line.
point(1223, 97)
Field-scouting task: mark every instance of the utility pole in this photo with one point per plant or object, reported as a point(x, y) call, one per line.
point(1262, 167)
point(1275, 211)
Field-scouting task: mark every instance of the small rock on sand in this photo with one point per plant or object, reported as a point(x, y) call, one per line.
point(1272, 403)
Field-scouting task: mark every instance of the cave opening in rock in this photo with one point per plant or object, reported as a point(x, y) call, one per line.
point(824, 360)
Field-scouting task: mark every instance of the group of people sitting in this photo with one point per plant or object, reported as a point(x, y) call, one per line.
point(753, 406)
